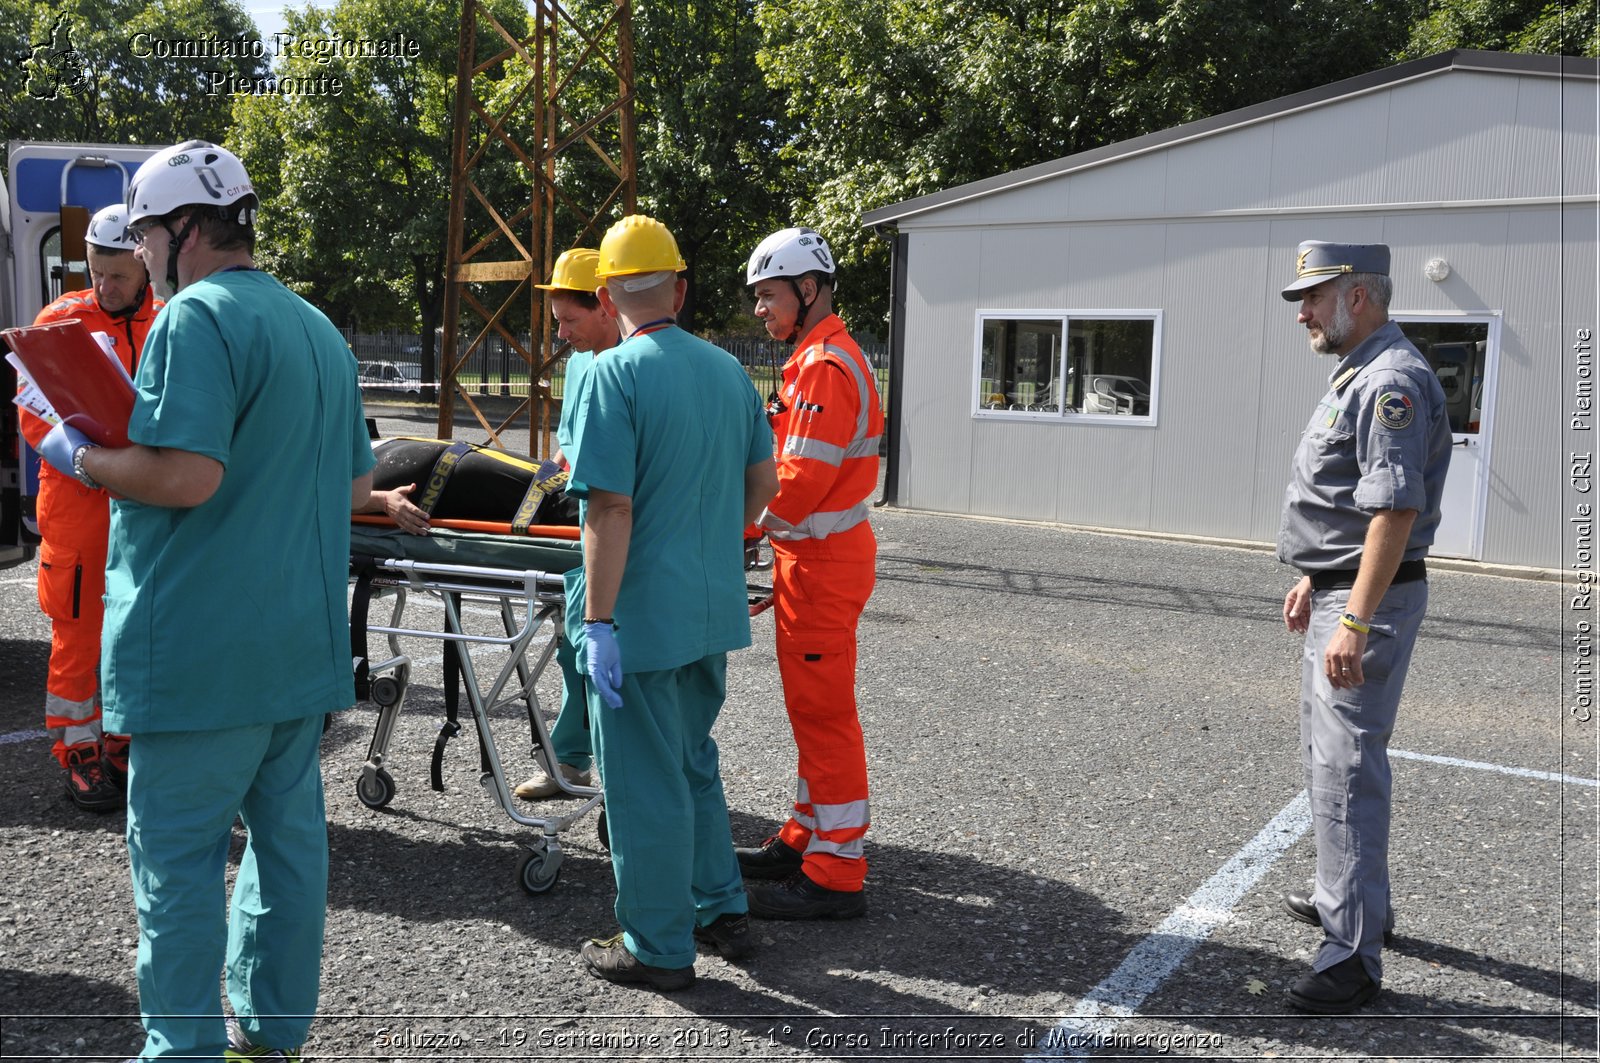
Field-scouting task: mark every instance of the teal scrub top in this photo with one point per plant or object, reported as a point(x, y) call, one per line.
point(673, 422)
point(578, 364)
point(233, 612)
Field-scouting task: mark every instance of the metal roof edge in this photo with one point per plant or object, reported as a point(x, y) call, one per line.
point(1441, 62)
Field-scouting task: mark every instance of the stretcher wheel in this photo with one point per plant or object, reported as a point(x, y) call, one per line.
point(386, 691)
point(375, 789)
point(603, 829)
point(539, 870)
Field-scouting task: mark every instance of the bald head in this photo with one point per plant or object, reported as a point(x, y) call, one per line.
point(637, 301)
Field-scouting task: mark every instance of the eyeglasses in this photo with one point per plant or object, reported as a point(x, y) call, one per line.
point(141, 230)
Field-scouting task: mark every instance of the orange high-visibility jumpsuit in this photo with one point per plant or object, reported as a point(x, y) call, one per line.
point(74, 523)
point(826, 426)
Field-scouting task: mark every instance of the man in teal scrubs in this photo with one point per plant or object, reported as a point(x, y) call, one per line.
point(590, 331)
point(672, 456)
point(226, 633)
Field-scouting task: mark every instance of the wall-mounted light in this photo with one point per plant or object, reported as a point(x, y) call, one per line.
point(1437, 269)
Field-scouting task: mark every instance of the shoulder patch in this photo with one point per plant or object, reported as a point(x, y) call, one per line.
point(1395, 410)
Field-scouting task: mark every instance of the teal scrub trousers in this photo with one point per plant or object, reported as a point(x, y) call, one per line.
point(570, 736)
point(185, 789)
point(671, 846)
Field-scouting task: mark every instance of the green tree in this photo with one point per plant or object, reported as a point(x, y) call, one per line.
point(354, 165)
point(100, 71)
point(1540, 26)
point(709, 129)
point(893, 99)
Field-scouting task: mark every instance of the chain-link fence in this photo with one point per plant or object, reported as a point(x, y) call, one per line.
point(391, 365)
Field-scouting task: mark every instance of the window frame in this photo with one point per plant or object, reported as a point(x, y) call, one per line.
point(1066, 318)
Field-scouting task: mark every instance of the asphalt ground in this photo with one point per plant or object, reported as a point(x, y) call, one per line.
point(1085, 781)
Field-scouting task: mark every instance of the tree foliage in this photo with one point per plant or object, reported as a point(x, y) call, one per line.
point(355, 183)
point(893, 99)
point(751, 114)
point(90, 71)
point(708, 133)
point(1550, 27)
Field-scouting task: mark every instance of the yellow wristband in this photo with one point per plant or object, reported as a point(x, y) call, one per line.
point(1355, 623)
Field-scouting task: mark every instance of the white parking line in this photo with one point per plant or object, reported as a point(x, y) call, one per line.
point(1155, 958)
point(1158, 955)
point(22, 736)
point(1478, 765)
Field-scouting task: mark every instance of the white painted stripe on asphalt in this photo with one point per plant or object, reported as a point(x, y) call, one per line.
point(1150, 963)
point(22, 736)
point(1158, 955)
point(1478, 765)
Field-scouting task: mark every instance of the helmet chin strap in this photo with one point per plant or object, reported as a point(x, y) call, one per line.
point(805, 310)
point(172, 251)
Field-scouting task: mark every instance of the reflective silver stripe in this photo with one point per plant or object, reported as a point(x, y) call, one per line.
point(815, 449)
point(863, 448)
point(850, 850)
point(57, 707)
point(802, 796)
point(818, 525)
point(852, 815)
point(863, 389)
point(78, 734)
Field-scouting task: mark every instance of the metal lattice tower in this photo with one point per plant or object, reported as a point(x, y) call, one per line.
point(543, 108)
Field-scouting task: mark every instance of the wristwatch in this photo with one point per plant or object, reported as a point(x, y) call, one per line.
point(78, 470)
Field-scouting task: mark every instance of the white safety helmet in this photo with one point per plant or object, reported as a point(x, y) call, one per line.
point(790, 253)
point(109, 229)
point(194, 173)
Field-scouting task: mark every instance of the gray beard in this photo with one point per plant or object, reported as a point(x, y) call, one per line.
point(1334, 334)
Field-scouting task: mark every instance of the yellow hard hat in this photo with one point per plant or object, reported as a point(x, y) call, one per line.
point(638, 244)
point(574, 272)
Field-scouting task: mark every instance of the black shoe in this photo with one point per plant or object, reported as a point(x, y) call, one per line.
point(800, 898)
point(728, 935)
point(771, 859)
point(611, 960)
point(114, 760)
point(1339, 990)
point(1299, 906)
point(87, 784)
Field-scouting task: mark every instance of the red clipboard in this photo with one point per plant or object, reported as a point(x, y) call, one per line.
point(88, 390)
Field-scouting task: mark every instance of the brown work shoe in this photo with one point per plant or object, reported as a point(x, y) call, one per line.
point(542, 786)
point(610, 959)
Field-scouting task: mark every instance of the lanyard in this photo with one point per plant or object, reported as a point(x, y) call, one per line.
point(653, 326)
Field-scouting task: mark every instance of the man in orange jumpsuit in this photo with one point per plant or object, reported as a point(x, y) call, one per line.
point(826, 422)
point(74, 522)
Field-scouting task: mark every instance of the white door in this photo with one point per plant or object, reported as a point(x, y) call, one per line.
point(1464, 352)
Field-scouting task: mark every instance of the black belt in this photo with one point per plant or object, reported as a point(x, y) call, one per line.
point(1338, 578)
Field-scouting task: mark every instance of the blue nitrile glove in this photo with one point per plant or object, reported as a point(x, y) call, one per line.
point(604, 662)
point(60, 444)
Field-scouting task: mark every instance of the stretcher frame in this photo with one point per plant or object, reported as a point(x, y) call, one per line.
point(530, 604)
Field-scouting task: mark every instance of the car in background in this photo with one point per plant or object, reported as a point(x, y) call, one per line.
point(399, 378)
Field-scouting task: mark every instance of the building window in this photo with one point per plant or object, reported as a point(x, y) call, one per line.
point(1089, 365)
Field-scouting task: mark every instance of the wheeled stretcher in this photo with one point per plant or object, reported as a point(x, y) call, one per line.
point(518, 577)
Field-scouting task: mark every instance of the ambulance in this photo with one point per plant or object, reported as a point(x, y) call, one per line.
point(49, 193)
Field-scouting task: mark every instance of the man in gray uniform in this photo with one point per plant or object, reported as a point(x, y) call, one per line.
point(1358, 519)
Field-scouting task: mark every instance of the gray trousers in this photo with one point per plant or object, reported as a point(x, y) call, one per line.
point(1344, 750)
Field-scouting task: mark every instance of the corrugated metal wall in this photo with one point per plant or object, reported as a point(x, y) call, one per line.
point(1205, 232)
